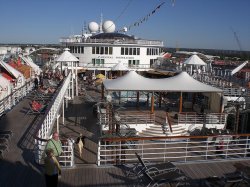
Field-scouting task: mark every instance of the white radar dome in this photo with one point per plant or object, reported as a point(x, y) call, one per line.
point(93, 27)
point(108, 26)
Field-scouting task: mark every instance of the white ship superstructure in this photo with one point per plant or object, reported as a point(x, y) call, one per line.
point(102, 48)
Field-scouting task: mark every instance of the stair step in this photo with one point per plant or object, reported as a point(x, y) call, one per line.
point(153, 132)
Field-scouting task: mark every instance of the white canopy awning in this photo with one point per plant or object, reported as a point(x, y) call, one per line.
point(194, 60)
point(179, 83)
point(66, 56)
point(17, 74)
point(119, 67)
point(30, 63)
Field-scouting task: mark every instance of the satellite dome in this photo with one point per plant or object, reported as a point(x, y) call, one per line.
point(108, 26)
point(93, 27)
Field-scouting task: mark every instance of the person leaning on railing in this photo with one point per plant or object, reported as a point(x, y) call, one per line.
point(55, 144)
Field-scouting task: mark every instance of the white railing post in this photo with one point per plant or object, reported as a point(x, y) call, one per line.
point(98, 153)
point(186, 150)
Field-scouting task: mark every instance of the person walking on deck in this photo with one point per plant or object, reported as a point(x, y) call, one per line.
point(36, 82)
point(80, 143)
point(52, 169)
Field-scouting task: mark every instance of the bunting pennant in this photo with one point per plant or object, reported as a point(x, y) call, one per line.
point(145, 18)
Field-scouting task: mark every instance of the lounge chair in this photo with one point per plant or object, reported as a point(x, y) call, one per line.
point(3, 141)
point(3, 149)
point(42, 96)
point(146, 166)
point(7, 134)
point(230, 179)
point(234, 178)
point(164, 178)
point(36, 109)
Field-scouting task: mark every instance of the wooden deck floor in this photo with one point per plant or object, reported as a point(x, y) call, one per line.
point(19, 169)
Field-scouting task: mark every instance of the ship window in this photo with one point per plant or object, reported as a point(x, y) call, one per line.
point(82, 49)
point(132, 63)
point(130, 51)
point(102, 50)
point(97, 62)
point(110, 50)
point(138, 51)
point(97, 50)
point(126, 51)
point(106, 50)
point(122, 51)
point(93, 50)
point(134, 51)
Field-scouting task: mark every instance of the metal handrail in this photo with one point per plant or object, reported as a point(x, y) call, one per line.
point(46, 123)
point(169, 122)
point(15, 97)
point(174, 148)
point(210, 118)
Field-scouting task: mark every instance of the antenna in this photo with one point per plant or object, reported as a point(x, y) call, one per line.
point(237, 39)
point(85, 26)
point(100, 27)
point(173, 2)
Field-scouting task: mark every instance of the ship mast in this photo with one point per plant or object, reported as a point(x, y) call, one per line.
point(100, 27)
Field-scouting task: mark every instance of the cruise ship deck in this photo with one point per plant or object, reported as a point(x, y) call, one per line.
point(18, 167)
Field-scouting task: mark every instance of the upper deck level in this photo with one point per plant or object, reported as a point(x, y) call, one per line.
point(109, 38)
point(80, 40)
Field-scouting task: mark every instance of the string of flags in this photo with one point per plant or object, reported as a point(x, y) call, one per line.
point(145, 18)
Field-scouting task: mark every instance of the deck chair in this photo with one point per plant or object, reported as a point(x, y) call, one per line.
point(234, 179)
point(164, 178)
point(36, 110)
point(42, 96)
point(3, 149)
point(52, 83)
point(146, 166)
point(3, 141)
point(7, 134)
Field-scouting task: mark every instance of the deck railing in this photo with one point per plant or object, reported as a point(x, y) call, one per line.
point(137, 118)
point(127, 119)
point(236, 92)
point(112, 41)
point(212, 120)
point(15, 97)
point(67, 157)
point(46, 123)
point(176, 149)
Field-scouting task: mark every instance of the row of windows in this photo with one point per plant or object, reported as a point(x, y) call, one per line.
point(130, 51)
point(109, 50)
point(102, 50)
point(153, 51)
point(76, 49)
point(133, 62)
point(97, 62)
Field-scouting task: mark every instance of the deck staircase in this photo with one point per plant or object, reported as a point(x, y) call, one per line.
point(161, 128)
